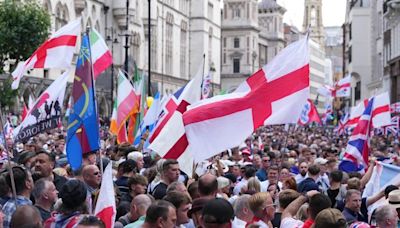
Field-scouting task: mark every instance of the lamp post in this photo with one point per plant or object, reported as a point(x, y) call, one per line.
point(113, 40)
point(149, 47)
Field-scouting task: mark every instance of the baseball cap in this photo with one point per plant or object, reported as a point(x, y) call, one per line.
point(217, 211)
point(320, 161)
point(223, 182)
point(246, 151)
point(197, 205)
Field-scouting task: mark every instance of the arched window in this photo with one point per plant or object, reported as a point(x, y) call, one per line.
point(62, 16)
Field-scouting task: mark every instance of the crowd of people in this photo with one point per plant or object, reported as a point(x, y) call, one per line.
point(278, 177)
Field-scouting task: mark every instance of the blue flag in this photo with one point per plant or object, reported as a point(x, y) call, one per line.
point(83, 127)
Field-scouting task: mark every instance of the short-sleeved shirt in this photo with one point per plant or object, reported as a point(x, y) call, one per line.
point(291, 223)
point(160, 191)
point(10, 207)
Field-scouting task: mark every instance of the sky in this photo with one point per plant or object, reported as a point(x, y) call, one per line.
point(333, 12)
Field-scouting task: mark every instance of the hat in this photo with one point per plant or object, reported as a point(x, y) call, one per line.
point(228, 162)
point(320, 161)
point(394, 198)
point(217, 211)
point(246, 151)
point(330, 217)
point(73, 193)
point(223, 182)
point(197, 205)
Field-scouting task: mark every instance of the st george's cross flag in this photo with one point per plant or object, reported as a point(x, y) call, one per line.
point(105, 206)
point(356, 155)
point(83, 128)
point(168, 137)
point(56, 52)
point(380, 111)
point(274, 94)
point(342, 87)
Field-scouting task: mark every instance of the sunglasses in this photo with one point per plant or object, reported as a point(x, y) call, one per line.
point(96, 173)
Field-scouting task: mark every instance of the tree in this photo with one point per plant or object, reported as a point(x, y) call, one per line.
point(23, 28)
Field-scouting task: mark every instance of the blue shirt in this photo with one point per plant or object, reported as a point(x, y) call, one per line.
point(262, 174)
point(10, 207)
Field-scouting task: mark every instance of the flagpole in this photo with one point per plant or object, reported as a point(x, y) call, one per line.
point(94, 96)
point(14, 192)
point(202, 76)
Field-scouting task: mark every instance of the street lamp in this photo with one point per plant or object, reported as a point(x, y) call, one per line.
point(113, 40)
point(212, 70)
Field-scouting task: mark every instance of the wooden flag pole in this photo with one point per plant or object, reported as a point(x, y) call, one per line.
point(14, 192)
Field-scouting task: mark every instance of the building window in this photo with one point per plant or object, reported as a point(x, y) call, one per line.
point(183, 49)
point(350, 53)
point(225, 12)
point(136, 46)
point(62, 16)
point(236, 65)
point(224, 42)
point(224, 60)
point(183, 6)
point(236, 42)
point(236, 13)
point(210, 11)
point(169, 44)
point(350, 35)
point(357, 91)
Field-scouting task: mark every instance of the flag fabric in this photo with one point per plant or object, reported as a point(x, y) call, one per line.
point(31, 102)
point(149, 120)
point(343, 87)
point(395, 107)
point(45, 113)
point(5, 130)
point(309, 114)
point(326, 91)
point(206, 86)
point(357, 151)
point(140, 86)
point(380, 111)
point(328, 112)
point(101, 55)
point(24, 112)
point(113, 120)
point(56, 52)
point(273, 95)
point(83, 128)
point(341, 129)
point(382, 176)
point(127, 105)
point(69, 106)
point(169, 135)
point(105, 207)
point(393, 128)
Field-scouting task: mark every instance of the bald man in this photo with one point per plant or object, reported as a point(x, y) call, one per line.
point(208, 185)
point(137, 214)
point(92, 177)
point(26, 216)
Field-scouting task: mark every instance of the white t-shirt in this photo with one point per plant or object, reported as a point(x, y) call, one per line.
point(291, 223)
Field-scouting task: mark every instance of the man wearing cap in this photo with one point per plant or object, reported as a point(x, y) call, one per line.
point(394, 200)
point(323, 180)
point(195, 212)
point(217, 213)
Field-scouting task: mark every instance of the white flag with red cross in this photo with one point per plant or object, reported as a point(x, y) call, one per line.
point(56, 52)
point(273, 95)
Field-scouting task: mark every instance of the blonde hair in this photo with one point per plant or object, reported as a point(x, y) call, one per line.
point(354, 183)
point(256, 201)
point(302, 212)
point(253, 184)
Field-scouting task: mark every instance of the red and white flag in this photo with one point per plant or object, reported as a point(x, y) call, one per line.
point(101, 55)
point(105, 206)
point(273, 95)
point(395, 107)
point(343, 87)
point(380, 111)
point(56, 52)
point(169, 138)
point(309, 114)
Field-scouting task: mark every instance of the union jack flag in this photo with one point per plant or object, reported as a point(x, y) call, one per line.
point(342, 127)
point(393, 128)
point(357, 151)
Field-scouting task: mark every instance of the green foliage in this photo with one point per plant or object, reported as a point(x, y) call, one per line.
point(23, 28)
point(8, 96)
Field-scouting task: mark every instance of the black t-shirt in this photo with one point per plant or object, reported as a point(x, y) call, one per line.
point(332, 195)
point(160, 191)
point(276, 222)
point(43, 213)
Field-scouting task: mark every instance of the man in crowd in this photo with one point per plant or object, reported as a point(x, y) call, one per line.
point(243, 214)
point(45, 195)
point(263, 208)
point(160, 214)
point(137, 214)
point(309, 183)
point(43, 168)
point(170, 173)
point(182, 203)
point(262, 172)
point(351, 211)
point(386, 217)
point(303, 167)
point(217, 213)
